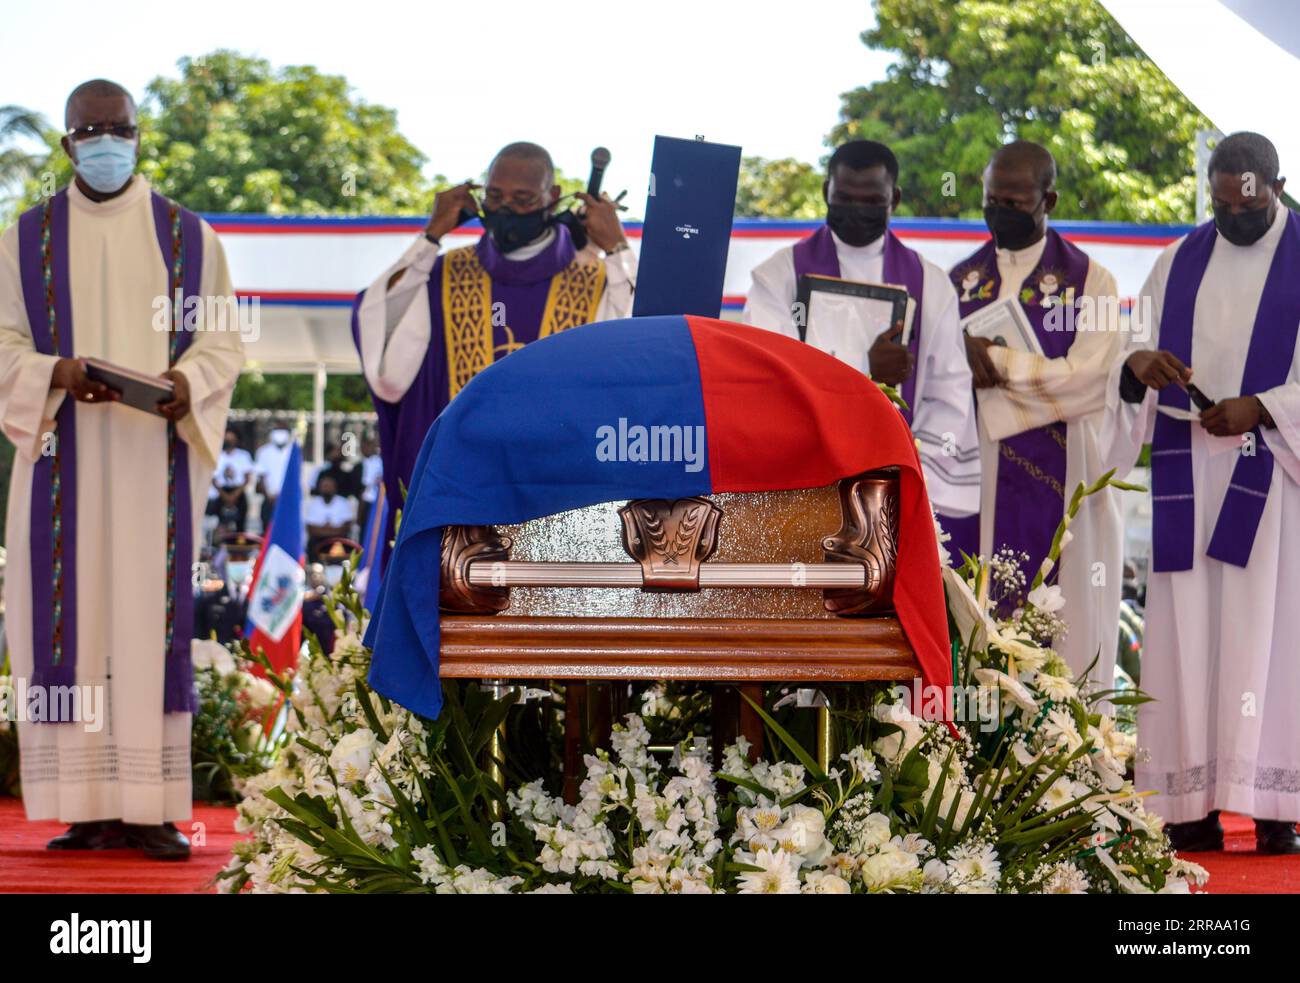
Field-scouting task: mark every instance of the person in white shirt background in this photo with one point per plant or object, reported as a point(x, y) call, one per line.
point(327, 515)
point(228, 498)
point(270, 461)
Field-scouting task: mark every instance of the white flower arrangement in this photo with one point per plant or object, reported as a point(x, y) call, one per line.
point(370, 798)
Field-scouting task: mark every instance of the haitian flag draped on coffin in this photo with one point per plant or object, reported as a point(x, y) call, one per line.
point(521, 441)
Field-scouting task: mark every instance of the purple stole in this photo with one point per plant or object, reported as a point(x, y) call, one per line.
point(521, 287)
point(816, 254)
point(1268, 362)
point(1031, 465)
point(47, 296)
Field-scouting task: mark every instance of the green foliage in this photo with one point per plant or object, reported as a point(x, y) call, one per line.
point(228, 742)
point(256, 390)
point(782, 188)
point(22, 132)
point(973, 74)
point(234, 134)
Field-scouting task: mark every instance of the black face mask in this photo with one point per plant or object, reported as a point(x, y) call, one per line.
point(510, 230)
point(858, 225)
point(1011, 228)
point(1242, 229)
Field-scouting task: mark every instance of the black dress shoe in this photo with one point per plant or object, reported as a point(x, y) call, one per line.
point(163, 842)
point(1276, 836)
point(1199, 836)
point(106, 834)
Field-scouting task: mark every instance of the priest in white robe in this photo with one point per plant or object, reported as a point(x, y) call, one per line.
point(1222, 619)
point(1039, 414)
point(431, 321)
point(861, 192)
point(106, 500)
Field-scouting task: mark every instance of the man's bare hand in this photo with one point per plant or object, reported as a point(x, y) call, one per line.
point(447, 206)
point(70, 374)
point(178, 407)
point(600, 218)
point(1158, 369)
point(983, 372)
point(1230, 417)
point(889, 361)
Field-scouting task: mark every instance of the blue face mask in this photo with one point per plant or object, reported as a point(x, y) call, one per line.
point(106, 163)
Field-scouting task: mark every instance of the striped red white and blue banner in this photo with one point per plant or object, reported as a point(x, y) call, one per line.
point(322, 261)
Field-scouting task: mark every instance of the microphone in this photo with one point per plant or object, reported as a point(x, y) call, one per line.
point(599, 161)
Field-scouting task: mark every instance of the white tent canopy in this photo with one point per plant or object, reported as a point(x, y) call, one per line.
point(301, 339)
point(1237, 61)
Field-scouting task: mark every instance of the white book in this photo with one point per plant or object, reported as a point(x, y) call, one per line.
point(844, 317)
point(1004, 322)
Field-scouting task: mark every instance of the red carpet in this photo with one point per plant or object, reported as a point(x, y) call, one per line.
point(1240, 870)
point(26, 867)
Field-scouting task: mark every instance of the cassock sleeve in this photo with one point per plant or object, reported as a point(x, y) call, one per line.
point(212, 362)
point(943, 420)
point(1042, 390)
point(620, 285)
point(771, 294)
point(1127, 425)
point(392, 327)
point(27, 405)
point(1283, 405)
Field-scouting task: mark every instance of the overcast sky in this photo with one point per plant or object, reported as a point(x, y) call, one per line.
point(466, 78)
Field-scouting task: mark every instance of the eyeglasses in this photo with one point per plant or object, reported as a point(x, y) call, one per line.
point(494, 199)
point(123, 131)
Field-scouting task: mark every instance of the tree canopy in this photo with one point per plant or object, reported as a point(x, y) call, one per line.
point(974, 74)
point(785, 188)
point(234, 134)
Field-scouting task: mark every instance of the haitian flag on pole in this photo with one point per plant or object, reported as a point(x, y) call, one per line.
point(275, 595)
point(528, 437)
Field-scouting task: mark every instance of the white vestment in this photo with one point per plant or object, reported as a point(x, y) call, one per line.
point(1222, 649)
point(394, 332)
point(943, 420)
point(136, 766)
point(1070, 389)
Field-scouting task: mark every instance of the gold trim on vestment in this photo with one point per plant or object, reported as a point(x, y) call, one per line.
point(1032, 469)
point(467, 315)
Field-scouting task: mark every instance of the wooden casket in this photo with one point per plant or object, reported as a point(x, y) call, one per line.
point(735, 588)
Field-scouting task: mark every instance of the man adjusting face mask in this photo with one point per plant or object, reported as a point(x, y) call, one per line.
point(510, 229)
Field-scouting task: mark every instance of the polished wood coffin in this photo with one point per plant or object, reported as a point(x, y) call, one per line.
point(740, 588)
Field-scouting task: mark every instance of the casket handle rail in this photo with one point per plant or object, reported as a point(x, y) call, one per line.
point(670, 540)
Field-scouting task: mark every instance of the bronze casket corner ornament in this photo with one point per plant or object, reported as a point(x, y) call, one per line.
point(670, 539)
point(868, 536)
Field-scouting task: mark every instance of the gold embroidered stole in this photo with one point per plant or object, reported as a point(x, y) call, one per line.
point(572, 300)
